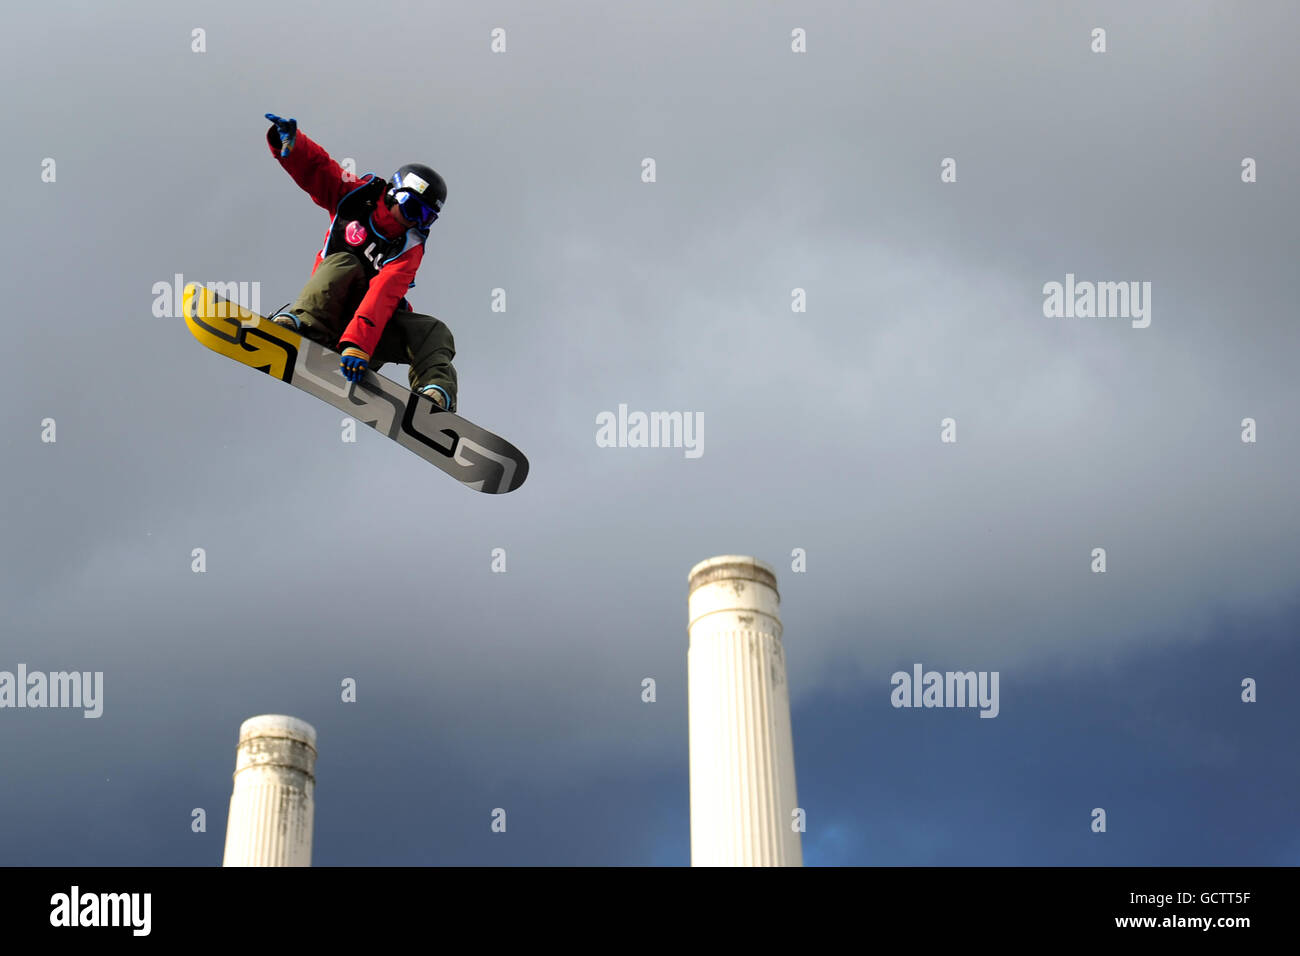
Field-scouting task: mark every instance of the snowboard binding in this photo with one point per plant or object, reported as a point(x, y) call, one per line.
point(290, 321)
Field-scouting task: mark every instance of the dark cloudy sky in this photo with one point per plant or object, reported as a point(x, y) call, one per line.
point(775, 171)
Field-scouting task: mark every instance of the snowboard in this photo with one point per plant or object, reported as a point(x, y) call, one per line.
point(472, 455)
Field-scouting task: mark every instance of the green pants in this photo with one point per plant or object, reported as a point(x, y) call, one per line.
point(330, 299)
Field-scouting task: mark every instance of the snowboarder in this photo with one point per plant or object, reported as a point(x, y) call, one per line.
point(355, 300)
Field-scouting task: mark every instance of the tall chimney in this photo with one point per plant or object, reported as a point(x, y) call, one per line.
point(273, 802)
point(741, 746)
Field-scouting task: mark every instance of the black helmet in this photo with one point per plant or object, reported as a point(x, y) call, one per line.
point(419, 192)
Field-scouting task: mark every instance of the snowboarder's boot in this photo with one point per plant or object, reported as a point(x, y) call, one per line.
point(436, 395)
point(283, 316)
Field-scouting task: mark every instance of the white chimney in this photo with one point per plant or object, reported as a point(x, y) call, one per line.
point(273, 802)
point(741, 746)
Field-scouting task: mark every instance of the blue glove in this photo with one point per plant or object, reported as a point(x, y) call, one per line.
point(354, 363)
point(288, 130)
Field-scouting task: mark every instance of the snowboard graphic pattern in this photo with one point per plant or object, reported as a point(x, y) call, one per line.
point(473, 456)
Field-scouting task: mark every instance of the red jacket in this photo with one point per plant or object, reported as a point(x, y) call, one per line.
point(327, 182)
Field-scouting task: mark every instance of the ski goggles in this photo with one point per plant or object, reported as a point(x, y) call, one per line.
point(413, 208)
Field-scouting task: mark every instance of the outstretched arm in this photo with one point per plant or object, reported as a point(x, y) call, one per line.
point(309, 165)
